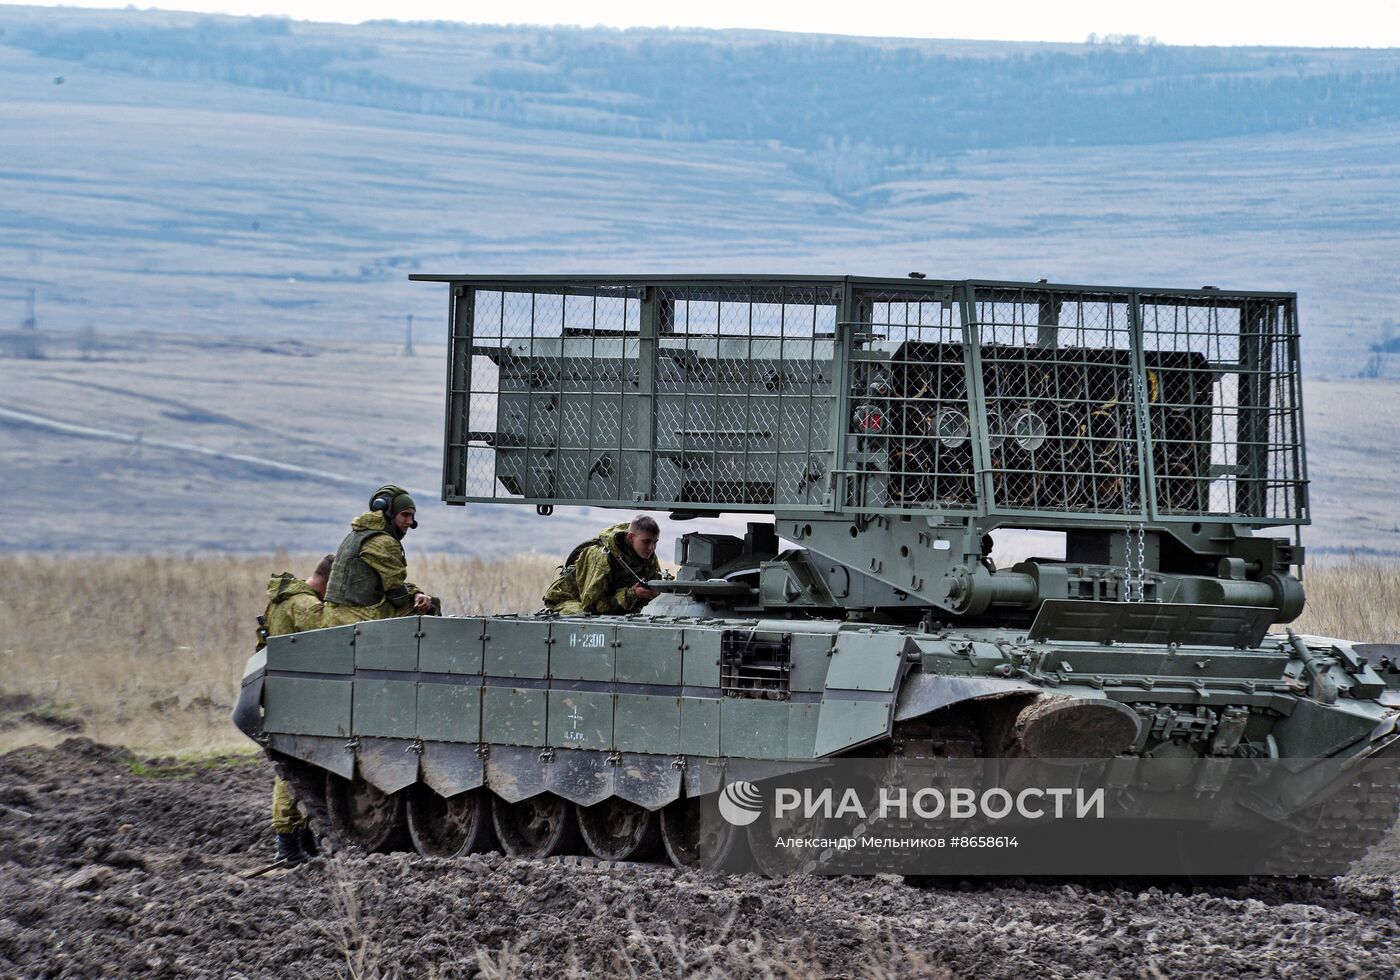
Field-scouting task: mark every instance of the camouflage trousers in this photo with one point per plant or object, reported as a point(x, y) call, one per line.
point(286, 818)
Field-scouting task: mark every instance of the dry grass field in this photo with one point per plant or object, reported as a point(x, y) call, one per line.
point(147, 651)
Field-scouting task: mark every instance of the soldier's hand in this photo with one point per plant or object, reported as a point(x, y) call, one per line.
point(644, 593)
point(422, 602)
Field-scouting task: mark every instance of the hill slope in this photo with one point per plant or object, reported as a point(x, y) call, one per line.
point(268, 185)
point(269, 177)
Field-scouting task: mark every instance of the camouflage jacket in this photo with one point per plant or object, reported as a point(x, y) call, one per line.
point(292, 607)
point(384, 554)
point(601, 577)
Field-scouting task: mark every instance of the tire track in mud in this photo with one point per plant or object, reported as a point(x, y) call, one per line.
point(111, 863)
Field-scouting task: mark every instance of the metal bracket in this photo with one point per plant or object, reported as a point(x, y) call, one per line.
point(352, 744)
point(547, 754)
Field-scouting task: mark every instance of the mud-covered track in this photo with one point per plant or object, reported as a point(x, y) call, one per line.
point(138, 873)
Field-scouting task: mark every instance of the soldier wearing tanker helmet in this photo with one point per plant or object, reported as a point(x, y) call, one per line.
point(369, 579)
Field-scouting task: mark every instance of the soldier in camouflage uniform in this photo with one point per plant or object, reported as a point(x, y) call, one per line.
point(608, 575)
point(369, 579)
point(293, 606)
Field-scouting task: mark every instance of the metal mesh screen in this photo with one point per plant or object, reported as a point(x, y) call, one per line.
point(877, 395)
point(683, 394)
point(743, 394)
point(554, 394)
point(1059, 389)
point(910, 419)
point(1224, 406)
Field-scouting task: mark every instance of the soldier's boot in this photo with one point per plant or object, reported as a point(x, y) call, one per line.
point(309, 847)
point(289, 849)
point(289, 826)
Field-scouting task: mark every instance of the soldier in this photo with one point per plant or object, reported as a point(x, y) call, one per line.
point(609, 574)
point(293, 606)
point(369, 575)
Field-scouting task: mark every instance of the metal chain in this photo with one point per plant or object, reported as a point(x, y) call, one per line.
point(1141, 590)
point(1137, 584)
point(1135, 564)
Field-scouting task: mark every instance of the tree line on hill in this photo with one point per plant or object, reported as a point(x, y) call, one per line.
point(873, 104)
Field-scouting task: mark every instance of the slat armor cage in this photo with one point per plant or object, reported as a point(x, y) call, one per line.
point(851, 395)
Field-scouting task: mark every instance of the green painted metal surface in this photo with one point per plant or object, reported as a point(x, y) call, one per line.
point(647, 723)
point(517, 648)
point(700, 726)
point(307, 706)
point(648, 655)
point(386, 708)
point(1318, 730)
point(700, 661)
point(866, 662)
point(580, 719)
point(513, 716)
point(583, 651)
point(449, 712)
point(811, 656)
point(318, 652)
point(387, 644)
point(844, 724)
point(802, 730)
point(753, 728)
point(449, 645)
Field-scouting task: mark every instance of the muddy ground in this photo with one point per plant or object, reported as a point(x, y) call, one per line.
point(111, 866)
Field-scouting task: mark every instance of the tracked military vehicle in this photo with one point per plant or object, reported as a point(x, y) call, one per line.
point(881, 433)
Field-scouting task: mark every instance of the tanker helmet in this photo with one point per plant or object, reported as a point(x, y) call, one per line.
point(390, 500)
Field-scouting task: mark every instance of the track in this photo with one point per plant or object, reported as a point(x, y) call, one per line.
point(140, 875)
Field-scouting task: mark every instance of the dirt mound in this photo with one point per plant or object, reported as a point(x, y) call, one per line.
point(113, 864)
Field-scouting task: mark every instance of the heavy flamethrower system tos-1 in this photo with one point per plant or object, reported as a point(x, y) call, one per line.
point(882, 432)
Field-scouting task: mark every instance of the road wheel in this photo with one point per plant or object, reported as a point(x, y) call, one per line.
point(449, 827)
point(617, 830)
point(541, 826)
point(696, 836)
point(361, 817)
